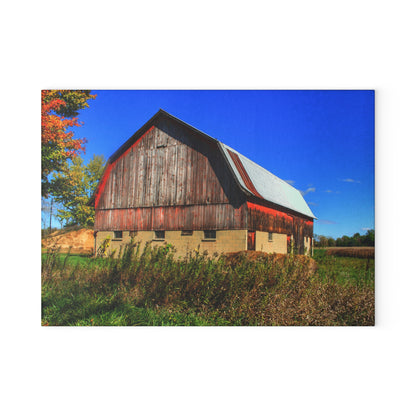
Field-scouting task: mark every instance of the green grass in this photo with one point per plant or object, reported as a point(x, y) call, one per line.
point(72, 259)
point(155, 289)
point(344, 269)
point(109, 311)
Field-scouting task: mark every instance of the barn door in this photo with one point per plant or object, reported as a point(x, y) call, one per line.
point(251, 240)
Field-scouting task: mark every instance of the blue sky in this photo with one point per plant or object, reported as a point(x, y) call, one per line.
point(322, 142)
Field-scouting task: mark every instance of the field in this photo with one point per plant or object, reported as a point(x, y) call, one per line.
point(239, 289)
point(360, 252)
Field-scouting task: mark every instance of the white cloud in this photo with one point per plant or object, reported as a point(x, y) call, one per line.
point(330, 191)
point(366, 228)
point(307, 191)
point(326, 222)
point(289, 181)
point(350, 180)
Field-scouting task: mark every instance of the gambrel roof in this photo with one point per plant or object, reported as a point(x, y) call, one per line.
point(252, 179)
point(263, 184)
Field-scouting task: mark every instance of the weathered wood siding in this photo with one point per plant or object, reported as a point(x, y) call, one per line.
point(191, 217)
point(169, 180)
point(264, 218)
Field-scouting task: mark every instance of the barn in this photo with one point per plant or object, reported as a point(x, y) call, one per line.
point(172, 183)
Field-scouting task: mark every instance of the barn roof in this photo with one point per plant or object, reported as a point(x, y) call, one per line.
point(264, 184)
point(252, 178)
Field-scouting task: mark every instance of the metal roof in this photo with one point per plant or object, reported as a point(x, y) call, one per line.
point(268, 186)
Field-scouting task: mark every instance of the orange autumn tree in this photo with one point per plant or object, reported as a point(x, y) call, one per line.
point(58, 115)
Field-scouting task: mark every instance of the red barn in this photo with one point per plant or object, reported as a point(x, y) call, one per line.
point(173, 183)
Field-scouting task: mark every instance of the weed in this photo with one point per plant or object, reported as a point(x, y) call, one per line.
point(154, 288)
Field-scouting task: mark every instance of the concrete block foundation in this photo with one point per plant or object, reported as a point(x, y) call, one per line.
point(226, 241)
point(276, 244)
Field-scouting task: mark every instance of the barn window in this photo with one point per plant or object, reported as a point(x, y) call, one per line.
point(118, 235)
point(159, 235)
point(210, 234)
point(187, 232)
point(270, 236)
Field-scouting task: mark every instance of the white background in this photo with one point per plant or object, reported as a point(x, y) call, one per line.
point(205, 371)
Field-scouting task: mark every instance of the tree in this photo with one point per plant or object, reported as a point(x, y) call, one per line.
point(331, 242)
point(345, 241)
point(323, 241)
point(369, 238)
point(356, 240)
point(49, 212)
point(59, 113)
point(320, 240)
point(73, 187)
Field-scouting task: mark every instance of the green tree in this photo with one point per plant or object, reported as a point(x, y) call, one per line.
point(73, 187)
point(74, 101)
point(345, 241)
point(369, 238)
point(59, 112)
point(323, 241)
point(331, 242)
point(356, 240)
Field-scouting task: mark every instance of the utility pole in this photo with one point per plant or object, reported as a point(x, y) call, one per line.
point(50, 217)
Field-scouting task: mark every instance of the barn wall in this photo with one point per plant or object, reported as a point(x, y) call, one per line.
point(169, 180)
point(277, 245)
point(168, 167)
point(262, 218)
point(226, 241)
point(191, 217)
point(307, 245)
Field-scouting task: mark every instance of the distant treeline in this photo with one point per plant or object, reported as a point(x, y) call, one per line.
point(357, 240)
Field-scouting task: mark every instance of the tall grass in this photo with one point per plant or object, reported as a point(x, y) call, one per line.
point(154, 288)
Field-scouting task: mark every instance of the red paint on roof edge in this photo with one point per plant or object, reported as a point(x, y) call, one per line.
point(243, 173)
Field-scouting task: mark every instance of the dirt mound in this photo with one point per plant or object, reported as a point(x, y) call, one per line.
point(81, 241)
point(235, 257)
point(253, 256)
